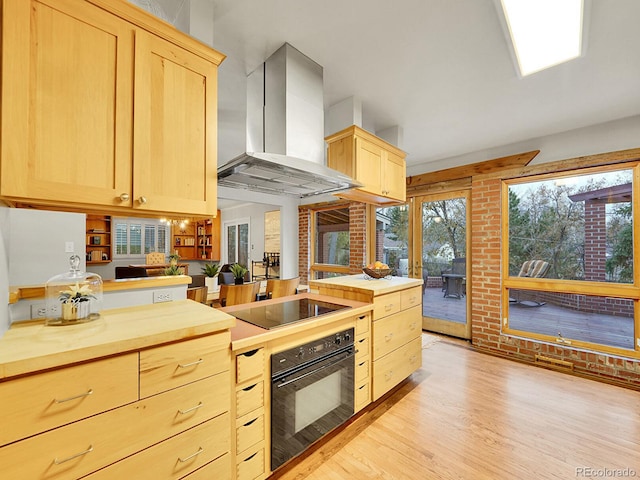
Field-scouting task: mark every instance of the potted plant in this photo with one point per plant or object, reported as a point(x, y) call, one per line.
point(238, 273)
point(173, 260)
point(174, 270)
point(210, 271)
point(76, 302)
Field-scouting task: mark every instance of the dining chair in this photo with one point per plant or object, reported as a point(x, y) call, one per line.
point(237, 294)
point(281, 287)
point(154, 258)
point(198, 294)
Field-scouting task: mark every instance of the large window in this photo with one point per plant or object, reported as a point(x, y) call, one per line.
point(331, 242)
point(135, 237)
point(571, 277)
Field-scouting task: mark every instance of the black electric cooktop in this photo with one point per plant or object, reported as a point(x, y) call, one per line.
point(278, 314)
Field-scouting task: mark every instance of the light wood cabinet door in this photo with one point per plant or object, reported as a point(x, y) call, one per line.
point(67, 102)
point(175, 125)
point(369, 161)
point(394, 176)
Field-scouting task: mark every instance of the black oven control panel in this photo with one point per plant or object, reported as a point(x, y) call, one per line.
point(310, 352)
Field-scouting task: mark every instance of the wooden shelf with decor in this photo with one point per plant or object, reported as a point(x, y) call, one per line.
point(98, 248)
point(198, 240)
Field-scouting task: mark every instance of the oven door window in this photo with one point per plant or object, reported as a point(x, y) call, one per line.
point(308, 404)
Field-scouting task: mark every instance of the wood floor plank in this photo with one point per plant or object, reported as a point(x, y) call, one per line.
point(467, 415)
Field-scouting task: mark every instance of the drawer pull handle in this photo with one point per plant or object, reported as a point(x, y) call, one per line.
point(362, 317)
point(412, 326)
point(250, 457)
point(412, 300)
point(249, 422)
point(250, 387)
point(388, 307)
point(86, 394)
point(184, 412)
point(413, 359)
point(60, 462)
point(361, 364)
point(200, 450)
point(362, 386)
point(388, 375)
point(250, 353)
point(186, 365)
point(388, 338)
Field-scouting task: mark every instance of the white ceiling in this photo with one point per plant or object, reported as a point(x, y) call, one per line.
point(441, 70)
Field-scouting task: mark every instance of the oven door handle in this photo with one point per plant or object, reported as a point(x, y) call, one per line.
point(327, 365)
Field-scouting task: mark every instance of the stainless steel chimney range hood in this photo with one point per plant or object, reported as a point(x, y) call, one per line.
point(285, 132)
point(282, 175)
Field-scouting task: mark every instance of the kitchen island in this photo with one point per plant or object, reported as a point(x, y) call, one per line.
point(396, 323)
point(253, 347)
point(139, 389)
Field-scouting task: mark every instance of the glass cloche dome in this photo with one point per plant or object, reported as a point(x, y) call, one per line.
point(73, 297)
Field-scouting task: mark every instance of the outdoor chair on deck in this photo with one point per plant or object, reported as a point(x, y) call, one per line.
point(531, 269)
point(453, 279)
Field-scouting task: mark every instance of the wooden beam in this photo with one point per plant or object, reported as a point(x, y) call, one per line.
point(465, 171)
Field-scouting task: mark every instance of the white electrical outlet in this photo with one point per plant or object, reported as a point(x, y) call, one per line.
point(69, 247)
point(38, 310)
point(160, 296)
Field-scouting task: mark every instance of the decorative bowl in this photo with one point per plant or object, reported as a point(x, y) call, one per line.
point(377, 272)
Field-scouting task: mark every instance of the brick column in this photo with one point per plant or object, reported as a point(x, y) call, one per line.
point(595, 241)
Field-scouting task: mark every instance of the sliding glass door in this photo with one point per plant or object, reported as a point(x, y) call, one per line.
point(441, 245)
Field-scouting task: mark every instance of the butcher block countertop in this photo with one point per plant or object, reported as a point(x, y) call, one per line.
point(245, 334)
point(358, 283)
point(31, 346)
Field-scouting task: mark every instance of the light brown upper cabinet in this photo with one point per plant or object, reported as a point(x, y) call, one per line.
point(105, 107)
point(375, 163)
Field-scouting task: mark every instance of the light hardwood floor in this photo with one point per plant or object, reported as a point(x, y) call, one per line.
point(467, 415)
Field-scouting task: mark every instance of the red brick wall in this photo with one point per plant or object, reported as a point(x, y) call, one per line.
point(304, 247)
point(486, 299)
point(595, 241)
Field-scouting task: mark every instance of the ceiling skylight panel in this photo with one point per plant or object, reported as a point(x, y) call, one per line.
point(544, 32)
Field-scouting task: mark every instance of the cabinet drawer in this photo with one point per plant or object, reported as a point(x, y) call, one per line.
point(386, 305)
point(394, 331)
point(395, 367)
point(249, 399)
point(249, 365)
point(170, 366)
point(362, 396)
point(362, 345)
point(33, 404)
point(93, 443)
point(176, 457)
point(362, 324)
point(252, 466)
point(410, 297)
point(219, 469)
point(249, 430)
point(362, 370)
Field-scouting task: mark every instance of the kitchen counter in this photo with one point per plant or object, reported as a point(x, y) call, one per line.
point(245, 334)
point(358, 283)
point(29, 347)
point(30, 292)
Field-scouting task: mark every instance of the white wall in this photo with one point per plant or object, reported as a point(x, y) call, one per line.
point(605, 137)
point(37, 241)
point(254, 205)
point(4, 269)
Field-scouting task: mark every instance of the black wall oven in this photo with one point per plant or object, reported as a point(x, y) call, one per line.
point(311, 393)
